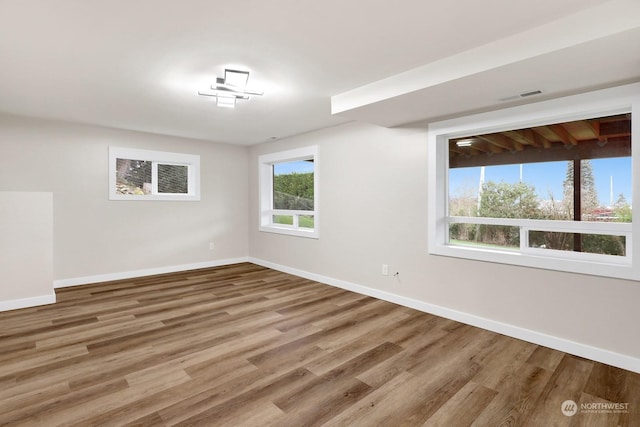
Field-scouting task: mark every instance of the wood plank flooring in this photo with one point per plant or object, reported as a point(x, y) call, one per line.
point(243, 345)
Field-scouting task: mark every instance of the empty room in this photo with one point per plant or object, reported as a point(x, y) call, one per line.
point(291, 213)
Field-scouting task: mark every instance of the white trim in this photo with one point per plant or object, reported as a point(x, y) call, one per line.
point(591, 227)
point(599, 103)
point(561, 344)
point(77, 281)
point(303, 153)
point(27, 302)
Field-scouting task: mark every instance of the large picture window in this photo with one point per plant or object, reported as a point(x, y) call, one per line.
point(153, 175)
point(288, 192)
point(545, 185)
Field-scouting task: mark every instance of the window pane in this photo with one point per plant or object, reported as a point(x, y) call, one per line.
point(173, 179)
point(482, 235)
point(283, 219)
point(293, 185)
point(606, 184)
point(133, 177)
point(590, 243)
point(529, 173)
point(306, 221)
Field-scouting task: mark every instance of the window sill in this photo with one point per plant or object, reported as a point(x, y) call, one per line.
point(621, 269)
point(311, 234)
point(168, 197)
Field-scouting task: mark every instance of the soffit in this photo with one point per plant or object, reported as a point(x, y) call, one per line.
point(591, 49)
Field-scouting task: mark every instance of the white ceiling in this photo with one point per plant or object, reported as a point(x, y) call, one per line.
point(138, 64)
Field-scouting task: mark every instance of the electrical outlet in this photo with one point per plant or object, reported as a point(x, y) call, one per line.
point(211, 246)
point(385, 270)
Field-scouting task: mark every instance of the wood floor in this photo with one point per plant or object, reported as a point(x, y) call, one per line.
point(245, 345)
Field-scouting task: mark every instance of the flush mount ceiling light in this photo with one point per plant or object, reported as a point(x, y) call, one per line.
point(229, 89)
point(465, 142)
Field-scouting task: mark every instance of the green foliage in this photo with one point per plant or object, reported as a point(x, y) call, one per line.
point(519, 200)
point(622, 209)
point(590, 243)
point(293, 191)
point(464, 232)
point(304, 221)
point(500, 200)
point(504, 200)
point(603, 244)
point(551, 240)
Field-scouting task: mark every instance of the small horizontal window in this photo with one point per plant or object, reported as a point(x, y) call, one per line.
point(153, 175)
point(604, 244)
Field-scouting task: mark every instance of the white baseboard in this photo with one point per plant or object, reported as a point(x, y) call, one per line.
point(561, 344)
point(27, 302)
point(76, 281)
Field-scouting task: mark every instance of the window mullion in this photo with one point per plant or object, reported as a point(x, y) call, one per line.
point(524, 238)
point(577, 202)
point(154, 178)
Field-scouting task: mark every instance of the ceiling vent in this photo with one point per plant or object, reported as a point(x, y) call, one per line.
point(522, 95)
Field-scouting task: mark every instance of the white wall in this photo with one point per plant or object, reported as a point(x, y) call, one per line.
point(26, 249)
point(94, 236)
point(373, 207)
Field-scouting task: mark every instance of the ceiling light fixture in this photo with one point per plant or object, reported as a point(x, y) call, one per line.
point(464, 142)
point(229, 89)
point(226, 101)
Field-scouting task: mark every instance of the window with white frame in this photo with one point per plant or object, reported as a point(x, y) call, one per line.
point(289, 192)
point(545, 185)
point(153, 175)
